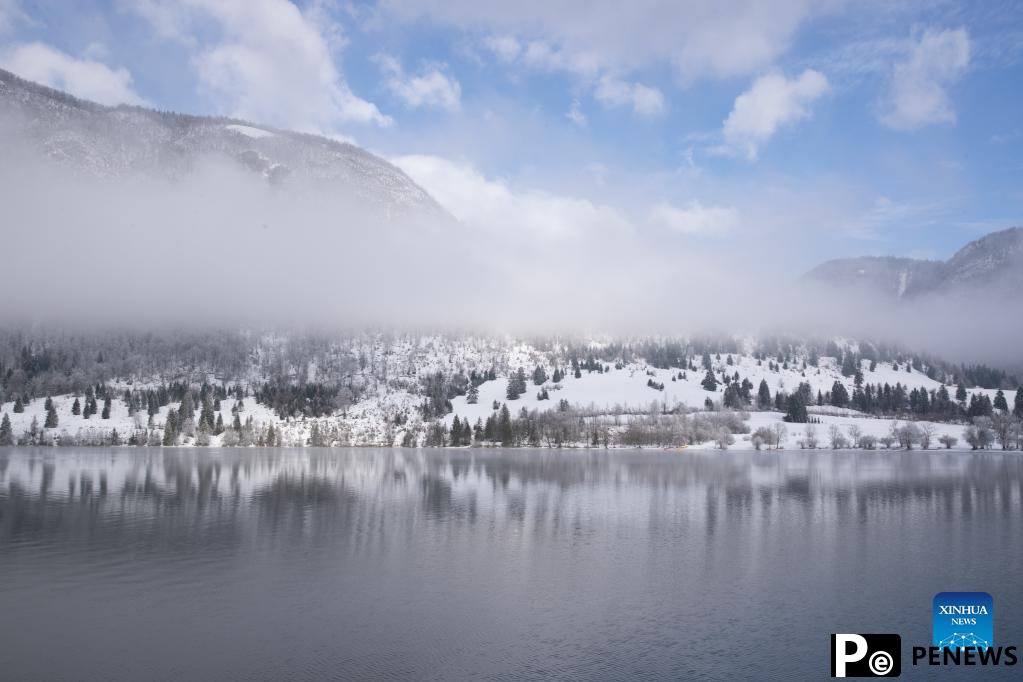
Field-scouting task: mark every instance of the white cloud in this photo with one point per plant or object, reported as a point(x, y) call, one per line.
point(492, 205)
point(539, 54)
point(885, 214)
point(699, 38)
point(10, 12)
point(83, 78)
point(695, 219)
point(587, 66)
point(270, 62)
point(644, 100)
point(431, 88)
point(917, 94)
point(506, 48)
point(771, 102)
point(575, 114)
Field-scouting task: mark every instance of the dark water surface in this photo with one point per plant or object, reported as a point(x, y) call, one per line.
point(362, 564)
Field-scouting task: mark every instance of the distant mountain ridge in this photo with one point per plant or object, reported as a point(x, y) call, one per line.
point(112, 141)
point(993, 261)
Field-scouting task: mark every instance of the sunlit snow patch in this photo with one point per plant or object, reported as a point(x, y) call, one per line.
point(249, 131)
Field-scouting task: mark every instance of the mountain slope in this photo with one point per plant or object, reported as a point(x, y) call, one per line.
point(993, 261)
point(881, 274)
point(116, 141)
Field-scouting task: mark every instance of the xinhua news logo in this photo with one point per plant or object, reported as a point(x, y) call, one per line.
point(963, 619)
point(963, 633)
point(874, 655)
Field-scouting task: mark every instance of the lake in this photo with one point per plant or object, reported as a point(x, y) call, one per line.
point(164, 564)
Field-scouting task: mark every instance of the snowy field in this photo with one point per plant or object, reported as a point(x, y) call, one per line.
point(620, 392)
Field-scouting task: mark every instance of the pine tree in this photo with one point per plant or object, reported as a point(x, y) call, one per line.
point(839, 395)
point(1000, 402)
point(795, 409)
point(456, 431)
point(512, 392)
point(170, 428)
point(539, 375)
point(106, 408)
point(505, 434)
point(709, 383)
point(6, 434)
point(473, 395)
point(516, 385)
point(19, 406)
point(961, 394)
point(187, 408)
point(76, 407)
point(51, 417)
point(732, 398)
point(315, 438)
point(1018, 403)
point(763, 396)
point(219, 428)
point(206, 418)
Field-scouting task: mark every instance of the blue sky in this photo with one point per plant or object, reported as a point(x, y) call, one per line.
point(818, 128)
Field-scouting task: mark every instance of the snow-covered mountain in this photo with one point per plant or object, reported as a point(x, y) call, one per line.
point(116, 141)
point(993, 263)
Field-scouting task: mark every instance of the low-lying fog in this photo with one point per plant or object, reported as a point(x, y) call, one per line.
point(222, 246)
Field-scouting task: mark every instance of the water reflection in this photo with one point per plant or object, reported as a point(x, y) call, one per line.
point(47, 493)
point(355, 564)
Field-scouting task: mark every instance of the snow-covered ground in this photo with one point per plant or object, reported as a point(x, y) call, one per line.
point(249, 131)
point(626, 389)
point(371, 420)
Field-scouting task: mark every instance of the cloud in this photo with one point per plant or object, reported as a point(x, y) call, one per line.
point(886, 213)
point(695, 219)
point(918, 91)
point(539, 54)
point(586, 66)
point(431, 88)
point(267, 61)
point(771, 102)
point(10, 13)
point(644, 100)
point(575, 114)
point(699, 39)
point(493, 206)
point(506, 48)
point(83, 78)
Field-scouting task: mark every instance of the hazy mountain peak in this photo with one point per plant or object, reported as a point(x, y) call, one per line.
point(994, 260)
point(114, 141)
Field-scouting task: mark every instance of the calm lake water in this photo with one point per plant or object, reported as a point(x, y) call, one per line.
point(391, 564)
